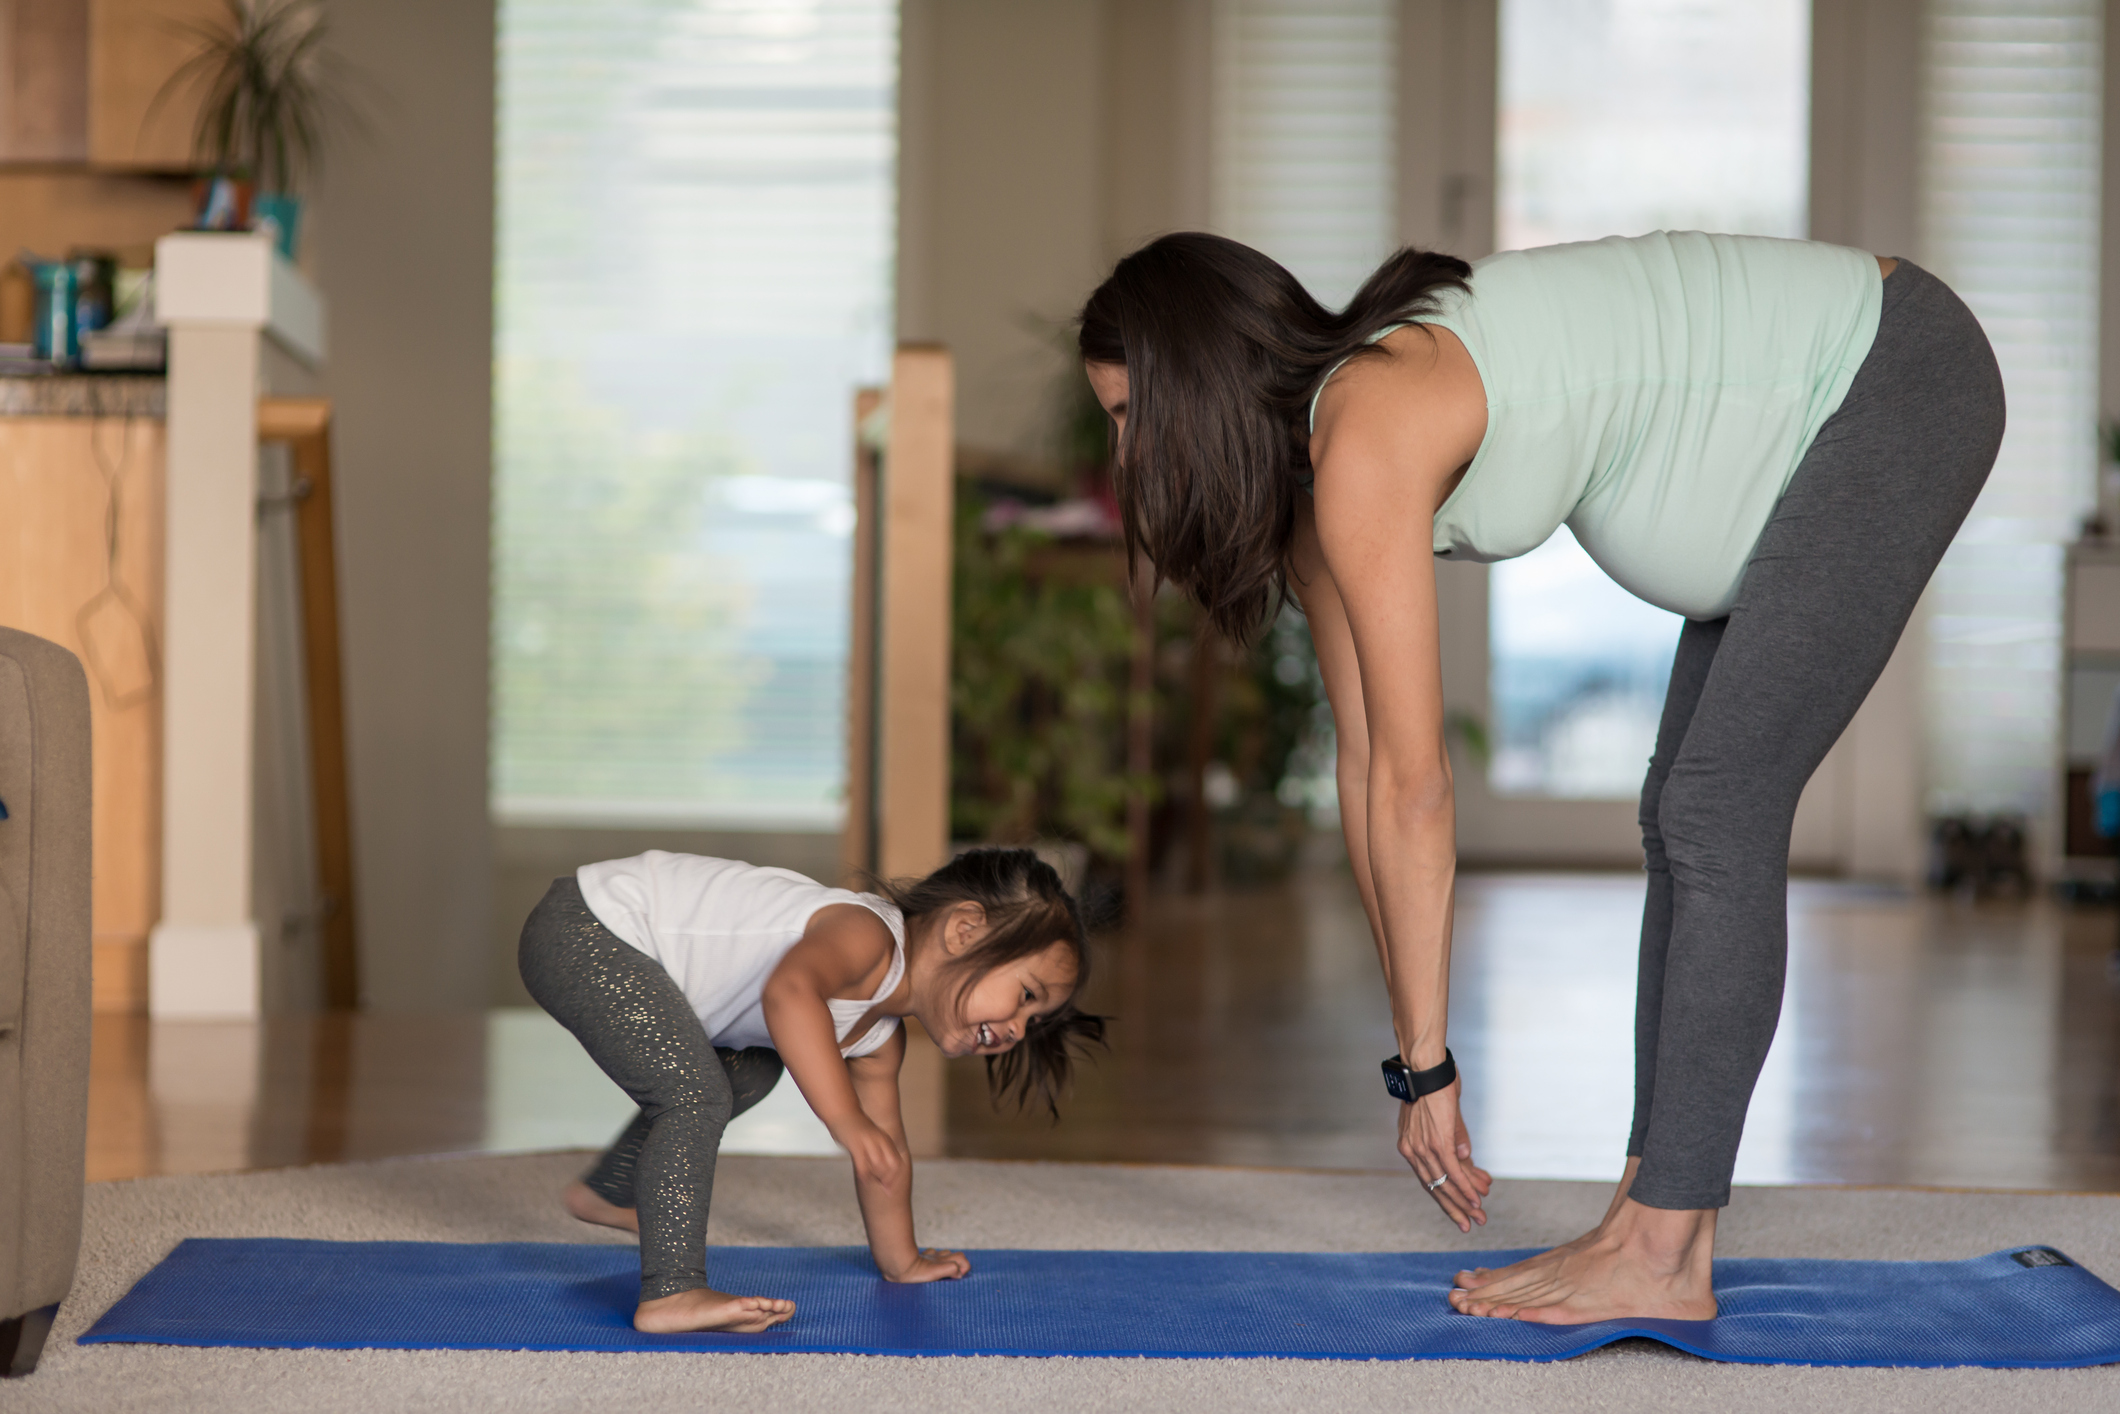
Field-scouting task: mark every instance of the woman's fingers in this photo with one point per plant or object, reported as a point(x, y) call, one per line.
point(1464, 1148)
point(1469, 1194)
point(1433, 1140)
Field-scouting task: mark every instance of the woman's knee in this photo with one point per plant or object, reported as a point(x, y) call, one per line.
point(1648, 816)
point(1709, 826)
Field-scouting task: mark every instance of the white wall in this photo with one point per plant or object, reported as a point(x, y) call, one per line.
point(1001, 199)
point(404, 252)
point(1863, 814)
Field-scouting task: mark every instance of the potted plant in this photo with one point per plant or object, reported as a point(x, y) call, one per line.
point(269, 96)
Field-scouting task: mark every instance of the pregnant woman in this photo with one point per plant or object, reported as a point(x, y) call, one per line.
point(1775, 439)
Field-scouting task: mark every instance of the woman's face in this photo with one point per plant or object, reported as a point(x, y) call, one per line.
point(1108, 381)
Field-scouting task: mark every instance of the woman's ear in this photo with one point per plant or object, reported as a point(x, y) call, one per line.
point(962, 928)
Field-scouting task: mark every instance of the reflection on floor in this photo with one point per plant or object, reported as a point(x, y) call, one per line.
point(1923, 1041)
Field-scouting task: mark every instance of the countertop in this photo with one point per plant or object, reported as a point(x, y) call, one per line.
point(83, 395)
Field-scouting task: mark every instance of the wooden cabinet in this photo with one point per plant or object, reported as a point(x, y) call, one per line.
point(43, 80)
point(81, 531)
point(89, 81)
point(137, 119)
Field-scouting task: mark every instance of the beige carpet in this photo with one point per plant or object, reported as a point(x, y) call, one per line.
point(970, 1204)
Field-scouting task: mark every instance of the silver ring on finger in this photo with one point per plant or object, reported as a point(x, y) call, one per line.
point(1441, 1179)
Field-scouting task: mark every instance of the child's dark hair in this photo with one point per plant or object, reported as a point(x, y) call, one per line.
point(1027, 911)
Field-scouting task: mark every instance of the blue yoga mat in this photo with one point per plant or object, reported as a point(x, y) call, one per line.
point(2030, 1307)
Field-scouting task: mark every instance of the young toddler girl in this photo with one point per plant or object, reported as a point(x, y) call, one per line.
point(692, 982)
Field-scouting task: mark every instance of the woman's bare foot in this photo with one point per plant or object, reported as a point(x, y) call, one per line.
point(1479, 1276)
point(702, 1309)
point(582, 1201)
point(1640, 1262)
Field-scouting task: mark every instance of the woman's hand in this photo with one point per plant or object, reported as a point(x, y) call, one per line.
point(930, 1264)
point(1434, 1140)
point(877, 1158)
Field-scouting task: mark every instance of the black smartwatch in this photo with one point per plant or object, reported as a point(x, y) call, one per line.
point(1407, 1084)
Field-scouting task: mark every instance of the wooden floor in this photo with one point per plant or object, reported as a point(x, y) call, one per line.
point(1923, 1041)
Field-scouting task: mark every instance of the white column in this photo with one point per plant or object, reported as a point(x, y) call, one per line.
point(217, 294)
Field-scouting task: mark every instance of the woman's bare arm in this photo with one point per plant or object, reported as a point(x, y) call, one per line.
point(1334, 642)
point(1393, 436)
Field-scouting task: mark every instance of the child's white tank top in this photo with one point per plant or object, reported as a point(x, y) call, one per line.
point(719, 927)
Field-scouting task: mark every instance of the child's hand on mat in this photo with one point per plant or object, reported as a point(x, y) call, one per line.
point(932, 1264)
point(877, 1157)
point(1434, 1140)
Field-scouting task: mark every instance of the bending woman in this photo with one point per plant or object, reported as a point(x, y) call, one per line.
point(1776, 439)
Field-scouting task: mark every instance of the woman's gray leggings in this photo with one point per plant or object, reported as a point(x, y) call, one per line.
point(635, 1023)
point(1757, 699)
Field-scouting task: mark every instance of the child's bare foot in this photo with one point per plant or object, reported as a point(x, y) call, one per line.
point(703, 1309)
point(582, 1201)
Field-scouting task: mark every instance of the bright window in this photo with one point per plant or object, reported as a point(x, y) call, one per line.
point(1620, 117)
point(696, 209)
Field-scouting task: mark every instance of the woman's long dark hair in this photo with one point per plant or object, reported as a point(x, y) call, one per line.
point(1027, 911)
point(1223, 351)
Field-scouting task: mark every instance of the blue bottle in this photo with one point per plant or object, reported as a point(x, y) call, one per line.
point(57, 336)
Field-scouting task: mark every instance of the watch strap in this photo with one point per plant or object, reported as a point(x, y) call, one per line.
point(1408, 1085)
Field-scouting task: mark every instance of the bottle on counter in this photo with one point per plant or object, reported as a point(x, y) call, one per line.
point(56, 336)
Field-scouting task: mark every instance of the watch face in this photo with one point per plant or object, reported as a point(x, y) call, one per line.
point(1398, 1081)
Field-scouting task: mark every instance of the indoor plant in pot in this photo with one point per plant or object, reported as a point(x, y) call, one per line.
point(269, 96)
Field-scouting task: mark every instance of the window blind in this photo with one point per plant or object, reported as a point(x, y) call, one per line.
point(695, 233)
point(1303, 134)
point(2010, 169)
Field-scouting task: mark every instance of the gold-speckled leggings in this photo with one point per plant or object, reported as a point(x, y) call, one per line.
point(636, 1024)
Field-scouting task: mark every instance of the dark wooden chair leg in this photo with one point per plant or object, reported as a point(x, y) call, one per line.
point(22, 1340)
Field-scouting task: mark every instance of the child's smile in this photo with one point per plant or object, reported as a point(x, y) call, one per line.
point(997, 1009)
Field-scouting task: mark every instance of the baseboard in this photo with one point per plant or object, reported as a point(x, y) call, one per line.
point(203, 971)
point(120, 972)
point(22, 1340)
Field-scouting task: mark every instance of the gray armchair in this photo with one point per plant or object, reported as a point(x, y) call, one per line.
point(44, 985)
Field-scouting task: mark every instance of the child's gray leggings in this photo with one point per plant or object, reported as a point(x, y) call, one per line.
point(1756, 700)
point(635, 1023)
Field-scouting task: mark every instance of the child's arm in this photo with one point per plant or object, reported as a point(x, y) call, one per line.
point(842, 949)
point(887, 1207)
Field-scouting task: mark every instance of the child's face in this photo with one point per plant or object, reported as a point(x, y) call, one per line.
point(994, 1011)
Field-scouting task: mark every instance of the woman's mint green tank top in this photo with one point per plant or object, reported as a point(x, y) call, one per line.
point(1655, 393)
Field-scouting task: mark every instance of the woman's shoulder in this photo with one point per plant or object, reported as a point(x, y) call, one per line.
point(1423, 399)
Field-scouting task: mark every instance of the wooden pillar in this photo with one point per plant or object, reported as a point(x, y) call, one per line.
point(917, 499)
point(898, 765)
